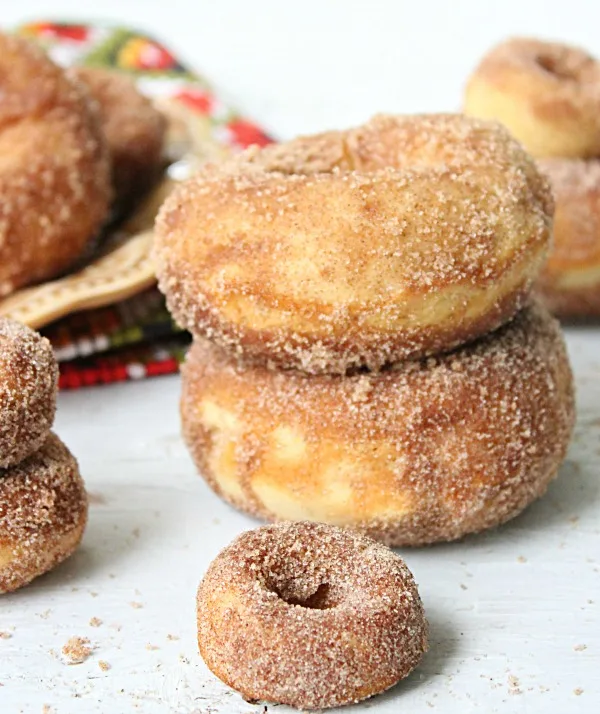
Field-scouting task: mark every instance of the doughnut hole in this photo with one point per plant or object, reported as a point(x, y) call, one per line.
point(309, 615)
point(54, 168)
point(43, 514)
point(546, 93)
point(556, 66)
point(28, 386)
point(300, 591)
point(570, 281)
point(133, 127)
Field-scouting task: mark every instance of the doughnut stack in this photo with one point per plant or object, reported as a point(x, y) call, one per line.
point(43, 503)
point(366, 350)
point(548, 95)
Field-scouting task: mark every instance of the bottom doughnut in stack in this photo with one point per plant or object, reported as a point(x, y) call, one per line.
point(420, 452)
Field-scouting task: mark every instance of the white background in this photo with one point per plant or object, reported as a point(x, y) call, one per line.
point(306, 65)
point(509, 610)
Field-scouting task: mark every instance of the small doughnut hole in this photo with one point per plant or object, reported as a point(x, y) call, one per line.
point(293, 593)
point(554, 66)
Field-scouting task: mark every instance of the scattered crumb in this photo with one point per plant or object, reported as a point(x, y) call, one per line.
point(574, 519)
point(5, 635)
point(152, 647)
point(513, 685)
point(521, 559)
point(95, 622)
point(93, 594)
point(463, 586)
point(578, 692)
point(46, 709)
point(104, 666)
point(172, 637)
point(77, 650)
point(135, 532)
point(580, 648)
point(184, 659)
point(136, 605)
point(44, 615)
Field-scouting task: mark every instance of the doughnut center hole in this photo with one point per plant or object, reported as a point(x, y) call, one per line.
point(554, 66)
point(320, 599)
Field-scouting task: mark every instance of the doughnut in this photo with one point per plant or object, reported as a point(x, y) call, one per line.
point(133, 127)
point(570, 281)
point(309, 615)
point(403, 237)
point(43, 512)
point(28, 385)
point(547, 94)
point(54, 170)
point(422, 451)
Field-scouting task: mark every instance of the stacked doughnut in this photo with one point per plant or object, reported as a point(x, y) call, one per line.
point(73, 145)
point(43, 504)
point(366, 352)
point(548, 95)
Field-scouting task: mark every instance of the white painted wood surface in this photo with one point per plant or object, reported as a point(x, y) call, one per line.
point(515, 624)
point(514, 613)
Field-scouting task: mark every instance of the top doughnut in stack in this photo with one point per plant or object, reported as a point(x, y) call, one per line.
point(350, 256)
point(404, 237)
point(548, 95)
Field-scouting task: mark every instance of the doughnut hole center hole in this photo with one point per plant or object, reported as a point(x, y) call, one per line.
point(294, 593)
point(554, 66)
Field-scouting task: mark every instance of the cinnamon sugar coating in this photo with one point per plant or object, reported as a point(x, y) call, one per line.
point(546, 93)
point(570, 281)
point(134, 130)
point(417, 453)
point(28, 385)
point(403, 237)
point(309, 615)
point(43, 512)
point(54, 170)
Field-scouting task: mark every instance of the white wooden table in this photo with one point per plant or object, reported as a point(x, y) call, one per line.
point(515, 624)
point(514, 613)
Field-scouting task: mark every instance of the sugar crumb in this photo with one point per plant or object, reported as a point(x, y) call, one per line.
point(104, 666)
point(514, 686)
point(95, 622)
point(77, 650)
